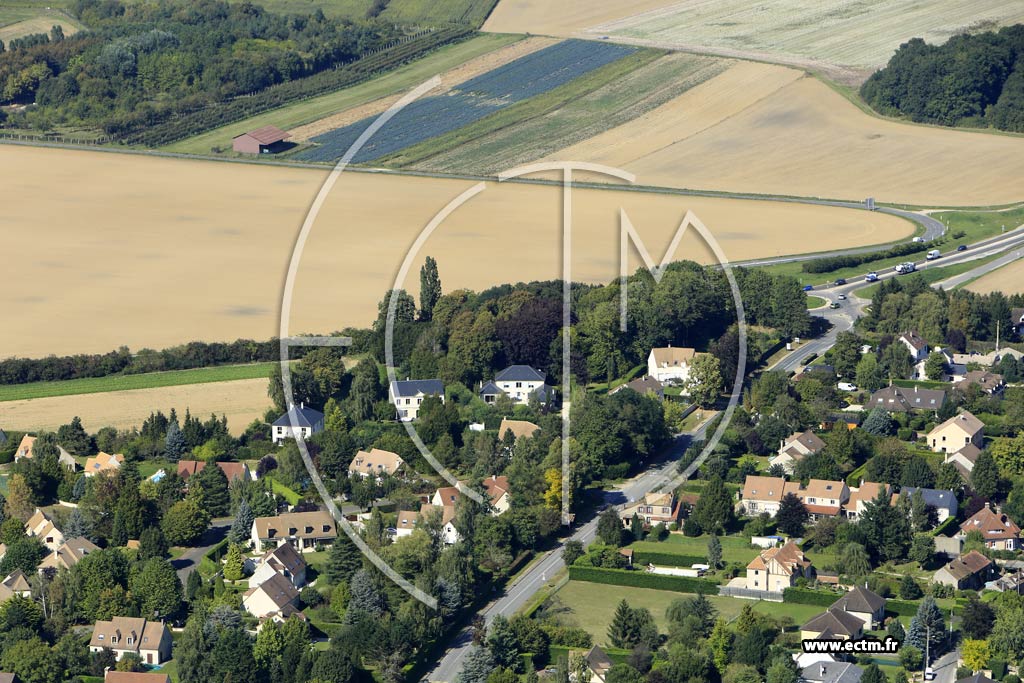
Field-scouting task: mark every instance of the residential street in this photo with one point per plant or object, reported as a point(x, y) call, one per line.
point(191, 558)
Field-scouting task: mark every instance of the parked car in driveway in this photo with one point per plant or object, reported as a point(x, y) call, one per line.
point(871, 277)
point(846, 386)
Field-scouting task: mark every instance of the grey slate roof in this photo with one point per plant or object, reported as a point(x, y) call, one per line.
point(519, 373)
point(832, 672)
point(898, 399)
point(490, 389)
point(412, 387)
point(836, 621)
point(940, 500)
point(860, 599)
point(976, 678)
point(303, 417)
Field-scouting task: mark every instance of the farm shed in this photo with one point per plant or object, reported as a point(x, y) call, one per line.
point(263, 140)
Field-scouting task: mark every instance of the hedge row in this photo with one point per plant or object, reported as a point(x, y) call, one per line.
point(641, 579)
point(806, 596)
point(827, 264)
point(645, 557)
point(278, 95)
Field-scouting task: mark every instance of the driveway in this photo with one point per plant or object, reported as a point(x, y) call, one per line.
point(191, 558)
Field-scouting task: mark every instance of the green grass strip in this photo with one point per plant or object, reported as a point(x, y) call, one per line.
point(150, 380)
point(522, 111)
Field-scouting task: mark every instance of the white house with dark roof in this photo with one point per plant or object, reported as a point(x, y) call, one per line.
point(944, 502)
point(297, 422)
point(283, 560)
point(407, 396)
point(274, 597)
point(304, 530)
point(519, 382)
point(916, 345)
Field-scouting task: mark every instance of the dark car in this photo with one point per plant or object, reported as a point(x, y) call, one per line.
point(962, 247)
point(808, 288)
point(840, 281)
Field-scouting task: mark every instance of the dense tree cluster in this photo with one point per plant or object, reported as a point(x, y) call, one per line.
point(137, 65)
point(973, 80)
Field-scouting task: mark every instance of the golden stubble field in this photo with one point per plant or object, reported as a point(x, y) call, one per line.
point(1009, 280)
point(565, 17)
point(771, 130)
point(242, 401)
point(112, 249)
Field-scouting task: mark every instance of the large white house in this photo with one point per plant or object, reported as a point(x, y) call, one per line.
point(304, 530)
point(407, 396)
point(670, 364)
point(41, 526)
point(297, 422)
point(283, 560)
point(519, 383)
point(150, 640)
point(375, 463)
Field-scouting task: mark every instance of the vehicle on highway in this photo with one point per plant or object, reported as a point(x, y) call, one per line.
point(840, 281)
point(933, 254)
point(918, 239)
point(808, 288)
point(962, 247)
point(903, 268)
point(871, 277)
point(841, 297)
point(846, 386)
point(834, 305)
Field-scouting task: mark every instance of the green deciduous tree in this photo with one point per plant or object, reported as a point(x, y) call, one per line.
point(792, 516)
point(184, 523)
point(430, 287)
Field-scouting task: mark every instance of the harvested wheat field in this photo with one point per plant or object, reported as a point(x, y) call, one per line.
point(39, 24)
point(563, 18)
point(1009, 280)
point(242, 401)
point(862, 35)
point(199, 249)
point(771, 130)
point(450, 80)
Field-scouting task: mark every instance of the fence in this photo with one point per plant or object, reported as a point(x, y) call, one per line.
point(750, 594)
point(52, 138)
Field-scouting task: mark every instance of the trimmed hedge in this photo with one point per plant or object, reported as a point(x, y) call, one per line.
point(645, 557)
point(806, 596)
point(827, 264)
point(641, 579)
point(903, 608)
point(949, 524)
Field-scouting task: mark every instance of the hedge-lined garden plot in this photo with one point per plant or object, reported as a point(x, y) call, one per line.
point(516, 81)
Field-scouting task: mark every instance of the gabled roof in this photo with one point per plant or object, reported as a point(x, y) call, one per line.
point(976, 678)
point(104, 462)
point(519, 373)
point(25, 447)
point(17, 582)
point(279, 589)
point(267, 135)
point(145, 634)
point(491, 389)
point(520, 428)
point(7, 678)
point(789, 556)
point(284, 558)
point(447, 512)
point(968, 564)
point(68, 555)
point(231, 470)
point(915, 340)
point(448, 494)
point(641, 385)
point(314, 524)
point(415, 387)
point(1017, 316)
point(407, 519)
point(900, 399)
point(965, 422)
point(991, 524)
point(375, 461)
point(836, 621)
point(763, 488)
point(940, 500)
point(301, 416)
point(598, 660)
point(866, 493)
point(988, 381)
point(673, 356)
point(808, 439)
point(860, 599)
point(496, 487)
point(831, 672)
point(823, 488)
point(969, 452)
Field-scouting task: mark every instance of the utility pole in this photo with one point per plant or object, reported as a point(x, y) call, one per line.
point(927, 649)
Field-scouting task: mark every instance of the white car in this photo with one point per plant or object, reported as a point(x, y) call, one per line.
point(918, 239)
point(841, 297)
point(871, 277)
point(846, 386)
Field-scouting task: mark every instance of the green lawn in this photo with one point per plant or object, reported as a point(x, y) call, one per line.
point(734, 548)
point(149, 380)
point(313, 109)
point(816, 301)
point(591, 606)
point(280, 489)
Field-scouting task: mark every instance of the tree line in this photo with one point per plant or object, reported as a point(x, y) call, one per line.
point(140, 64)
point(973, 80)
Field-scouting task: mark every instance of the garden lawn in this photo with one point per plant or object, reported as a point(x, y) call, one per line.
point(591, 606)
point(734, 548)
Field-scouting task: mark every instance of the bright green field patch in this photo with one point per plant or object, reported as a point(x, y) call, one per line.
point(734, 548)
point(280, 489)
point(313, 109)
point(412, 12)
point(815, 302)
point(980, 224)
point(615, 103)
point(150, 380)
point(591, 606)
